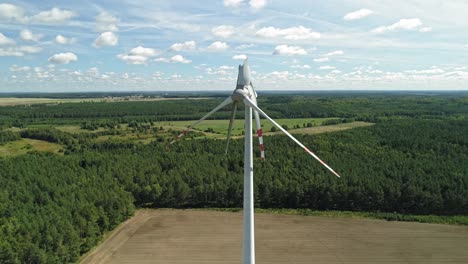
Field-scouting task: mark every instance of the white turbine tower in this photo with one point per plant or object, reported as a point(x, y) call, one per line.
point(245, 93)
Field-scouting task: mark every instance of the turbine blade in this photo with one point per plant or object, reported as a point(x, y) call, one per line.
point(223, 104)
point(248, 102)
point(231, 123)
point(260, 135)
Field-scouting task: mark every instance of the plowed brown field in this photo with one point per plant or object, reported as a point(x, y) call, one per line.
point(191, 236)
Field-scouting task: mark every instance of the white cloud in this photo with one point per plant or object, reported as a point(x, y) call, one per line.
point(64, 40)
point(289, 50)
point(292, 33)
point(233, 3)
point(425, 29)
point(361, 13)
point(327, 68)
point(133, 59)
point(305, 66)
point(27, 35)
point(106, 22)
point(335, 72)
point(106, 39)
point(16, 68)
point(187, 45)
point(429, 71)
point(223, 31)
point(245, 46)
point(174, 59)
point(324, 59)
point(278, 74)
point(138, 55)
point(142, 51)
point(258, 4)
point(405, 24)
point(63, 58)
point(11, 12)
point(29, 49)
point(53, 16)
point(4, 40)
point(218, 46)
point(239, 57)
point(19, 51)
point(334, 53)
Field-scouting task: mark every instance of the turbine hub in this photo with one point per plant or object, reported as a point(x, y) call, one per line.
point(240, 93)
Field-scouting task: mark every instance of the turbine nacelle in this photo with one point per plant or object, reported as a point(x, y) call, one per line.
point(244, 88)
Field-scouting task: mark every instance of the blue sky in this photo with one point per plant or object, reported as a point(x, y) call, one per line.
point(128, 45)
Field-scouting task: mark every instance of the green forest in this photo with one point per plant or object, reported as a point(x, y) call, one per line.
point(56, 207)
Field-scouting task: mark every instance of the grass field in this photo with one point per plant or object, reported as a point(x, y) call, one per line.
point(26, 145)
point(221, 126)
point(196, 236)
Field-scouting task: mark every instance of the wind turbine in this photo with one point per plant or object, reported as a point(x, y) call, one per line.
point(245, 93)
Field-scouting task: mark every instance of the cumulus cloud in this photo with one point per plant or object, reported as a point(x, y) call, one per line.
point(334, 53)
point(106, 22)
point(174, 59)
point(361, 13)
point(218, 46)
point(19, 51)
point(245, 46)
point(278, 74)
point(27, 35)
point(64, 40)
point(239, 57)
point(292, 33)
point(324, 59)
point(53, 16)
point(405, 24)
point(16, 68)
point(258, 4)
point(142, 51)
point(428, 71)
point(132, 59)
point(138, 55)
point(327, 68)
point(187, 45)
point(106, 39)
point(9, 12)
point(63, 58)
point(233, 3)
point(425, 29)
point(223, 31)
point(254, 4)
point(289, 50)
point(305, 66)
point(4, 40)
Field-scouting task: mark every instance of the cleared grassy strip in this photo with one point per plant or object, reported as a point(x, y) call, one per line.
point(221, 126)
point(26, 145)
point(431, 219)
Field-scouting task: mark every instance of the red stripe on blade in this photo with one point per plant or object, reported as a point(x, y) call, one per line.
point(259, 132)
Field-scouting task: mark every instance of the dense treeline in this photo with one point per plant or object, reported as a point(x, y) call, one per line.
point(402, 166)
point(55, 208)
point(7, 136)
point(366, 108)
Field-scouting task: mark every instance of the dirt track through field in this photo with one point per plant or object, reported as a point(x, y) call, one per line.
point(191, 236)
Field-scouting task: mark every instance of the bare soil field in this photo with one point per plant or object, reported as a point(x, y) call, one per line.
point(193, 236)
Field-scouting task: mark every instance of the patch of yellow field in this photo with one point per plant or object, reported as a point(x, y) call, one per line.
point(26, 145)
